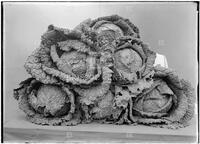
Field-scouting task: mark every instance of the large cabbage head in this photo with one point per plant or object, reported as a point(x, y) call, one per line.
point(45, 104)
point(67, 55)
point(169, 102)
point(133, 60)
point(110, 28)
point(50, 100)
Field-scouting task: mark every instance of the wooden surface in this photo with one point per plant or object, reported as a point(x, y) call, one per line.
point(18, 129)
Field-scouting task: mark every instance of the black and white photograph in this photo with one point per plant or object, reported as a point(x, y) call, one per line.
point(100, 72)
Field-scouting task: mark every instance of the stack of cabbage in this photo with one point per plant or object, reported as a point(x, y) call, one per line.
point(101, 71)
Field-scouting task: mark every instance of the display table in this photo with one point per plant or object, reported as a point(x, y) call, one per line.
point(18, 129)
